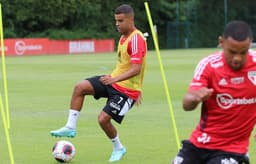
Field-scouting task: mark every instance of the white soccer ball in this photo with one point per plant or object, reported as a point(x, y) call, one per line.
point(63, 151)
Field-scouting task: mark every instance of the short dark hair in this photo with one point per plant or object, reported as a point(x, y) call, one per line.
point(238, 30)
point(124, 9)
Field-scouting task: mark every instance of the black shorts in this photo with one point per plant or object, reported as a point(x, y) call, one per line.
point(190, 154)
point(117, 103)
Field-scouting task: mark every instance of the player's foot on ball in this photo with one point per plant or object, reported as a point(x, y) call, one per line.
point(117, 155)
point(64, 132)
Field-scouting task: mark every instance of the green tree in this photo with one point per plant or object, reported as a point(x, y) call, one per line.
point(75, 19)
point(198, 20)
point(207, 19)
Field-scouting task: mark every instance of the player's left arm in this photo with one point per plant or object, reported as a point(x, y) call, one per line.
point(136, 49)
point(133, 71)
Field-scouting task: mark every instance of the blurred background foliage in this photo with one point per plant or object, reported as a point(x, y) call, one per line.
point(180, 23)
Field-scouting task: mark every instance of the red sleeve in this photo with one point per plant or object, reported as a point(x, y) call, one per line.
point(201, 75)
point(137, 48)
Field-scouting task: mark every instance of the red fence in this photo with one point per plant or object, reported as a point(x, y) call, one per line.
point(44, 46)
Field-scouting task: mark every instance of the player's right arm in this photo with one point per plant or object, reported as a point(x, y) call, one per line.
point(198, 90)
point(194, 97)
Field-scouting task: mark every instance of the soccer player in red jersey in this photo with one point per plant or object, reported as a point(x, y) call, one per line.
point(122, 87)
point(225, 85)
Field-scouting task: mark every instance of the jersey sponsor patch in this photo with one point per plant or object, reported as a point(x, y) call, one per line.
point(237, 80)
point(252, 76)
point(226, 101)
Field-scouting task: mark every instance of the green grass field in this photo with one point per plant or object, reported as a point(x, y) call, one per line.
point(40, 88)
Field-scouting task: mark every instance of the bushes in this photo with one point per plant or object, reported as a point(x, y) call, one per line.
point(77, 19)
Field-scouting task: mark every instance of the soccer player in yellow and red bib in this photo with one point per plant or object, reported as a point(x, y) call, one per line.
point(225, 84)
point(122, 87)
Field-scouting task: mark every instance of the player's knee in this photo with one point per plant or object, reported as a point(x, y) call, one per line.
point(83, 88)
point(78, 88)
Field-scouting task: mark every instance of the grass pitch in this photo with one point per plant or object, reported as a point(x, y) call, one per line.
point(40, 88)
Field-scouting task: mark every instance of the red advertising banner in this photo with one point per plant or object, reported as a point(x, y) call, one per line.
point(44, 46)
point(58, 47)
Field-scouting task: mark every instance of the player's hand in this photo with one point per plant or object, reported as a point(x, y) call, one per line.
point(193, 98)
point(139, 100)
point(202, 94)
point(107, 80)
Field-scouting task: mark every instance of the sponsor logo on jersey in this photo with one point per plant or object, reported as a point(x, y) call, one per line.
point(237, 80)
point(252, 76)
point(223, 82)
point(226, 101)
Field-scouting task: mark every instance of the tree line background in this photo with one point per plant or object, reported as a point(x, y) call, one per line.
point(180, 23)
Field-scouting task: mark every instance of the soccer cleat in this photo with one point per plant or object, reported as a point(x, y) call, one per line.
point(117, 155)
point(64, 132)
